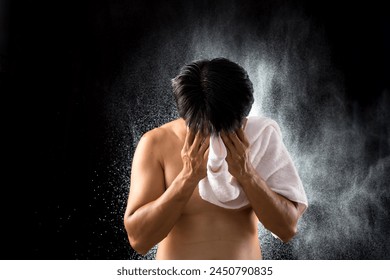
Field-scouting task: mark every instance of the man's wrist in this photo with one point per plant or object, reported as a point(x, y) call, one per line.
point(189, 177)
point(248, 176)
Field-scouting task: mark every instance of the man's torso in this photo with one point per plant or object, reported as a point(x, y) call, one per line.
point(204, 230)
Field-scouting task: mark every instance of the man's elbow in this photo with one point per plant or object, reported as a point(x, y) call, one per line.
point(290, 228)
point(135, 242)
point(138, 246)
point(288, 234)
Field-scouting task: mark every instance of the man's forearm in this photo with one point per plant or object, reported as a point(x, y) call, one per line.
point(152, 222)
point(274, 211)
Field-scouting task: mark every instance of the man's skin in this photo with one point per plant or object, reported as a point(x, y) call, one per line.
point(164, 206)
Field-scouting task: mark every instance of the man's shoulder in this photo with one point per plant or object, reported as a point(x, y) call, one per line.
point(163, 132)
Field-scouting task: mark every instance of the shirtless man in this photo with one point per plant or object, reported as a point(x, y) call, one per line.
point(164, 206)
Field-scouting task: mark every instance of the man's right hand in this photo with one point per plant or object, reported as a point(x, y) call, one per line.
point(195, 155)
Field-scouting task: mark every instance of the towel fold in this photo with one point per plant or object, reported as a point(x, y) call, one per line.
point(268, 156)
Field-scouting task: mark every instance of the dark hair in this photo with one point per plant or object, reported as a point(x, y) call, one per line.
point(213, 95)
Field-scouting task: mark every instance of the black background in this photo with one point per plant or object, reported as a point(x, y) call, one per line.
point(58, 60)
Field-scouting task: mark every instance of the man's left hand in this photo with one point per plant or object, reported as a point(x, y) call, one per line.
point(237, 146)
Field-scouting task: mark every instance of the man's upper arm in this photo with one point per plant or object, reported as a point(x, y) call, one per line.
point(147, 175)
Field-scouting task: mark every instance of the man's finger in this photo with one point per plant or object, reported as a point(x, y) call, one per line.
point(187, 138)
point(190, 136)
point(228, 155)
point(206, 154)
point(205, 145)
point(241, 135)
point(197, 142)
point(227, 141)
point(235, 140)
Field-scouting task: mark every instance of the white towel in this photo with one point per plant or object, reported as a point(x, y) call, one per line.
point(270, 159)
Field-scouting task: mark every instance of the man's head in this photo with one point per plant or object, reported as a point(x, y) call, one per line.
point(213, 95)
